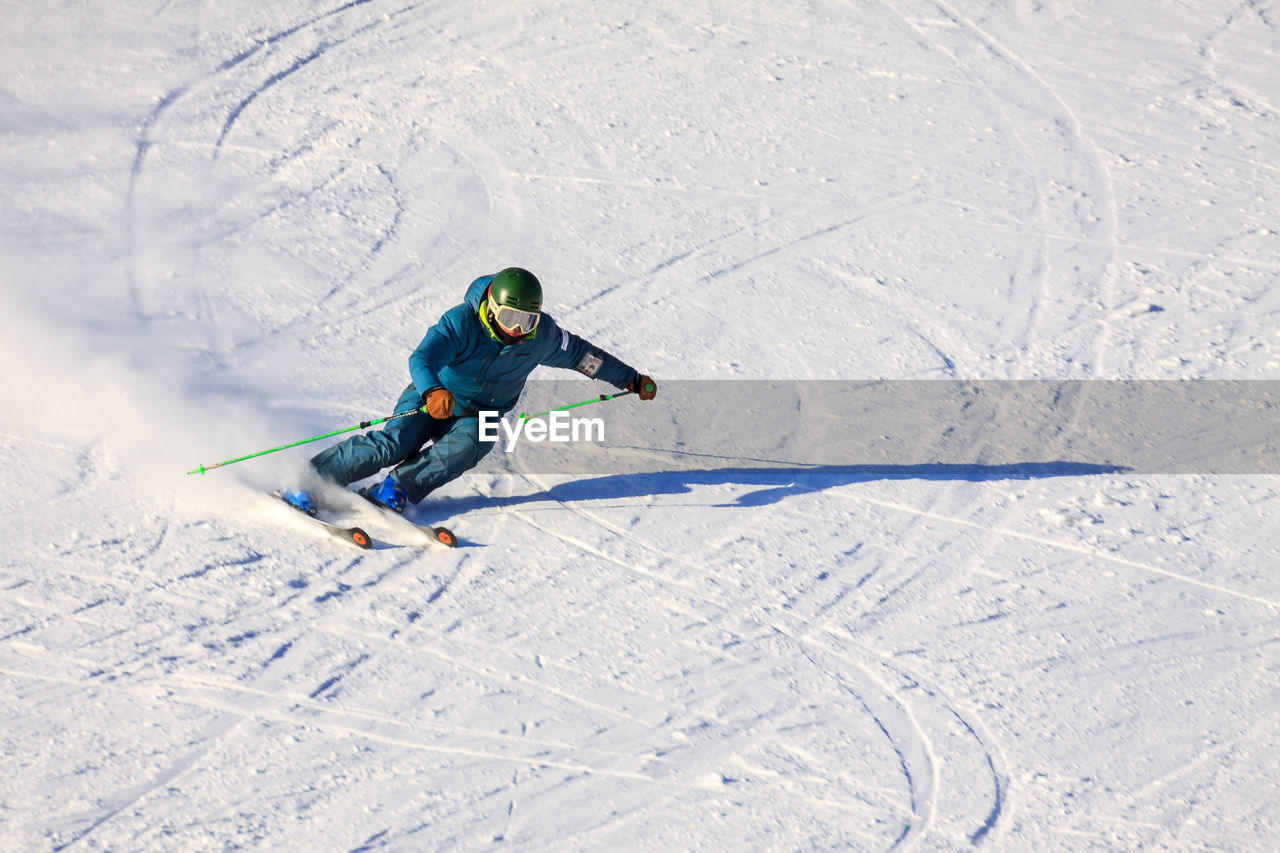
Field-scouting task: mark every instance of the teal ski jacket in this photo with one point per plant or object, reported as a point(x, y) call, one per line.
point(462, 354)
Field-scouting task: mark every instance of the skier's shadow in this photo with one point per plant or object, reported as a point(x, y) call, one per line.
point(780, 482)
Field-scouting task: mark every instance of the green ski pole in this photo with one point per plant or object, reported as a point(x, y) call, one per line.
point(600, 399)
point(361, 425)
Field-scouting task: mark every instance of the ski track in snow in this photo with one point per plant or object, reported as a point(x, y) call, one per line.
point(921, 765)
point(959, 38)
point(881, 665)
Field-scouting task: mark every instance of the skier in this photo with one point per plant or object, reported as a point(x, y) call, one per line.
point(475, 358)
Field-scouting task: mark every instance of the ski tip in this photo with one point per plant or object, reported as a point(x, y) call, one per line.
point(445, 537)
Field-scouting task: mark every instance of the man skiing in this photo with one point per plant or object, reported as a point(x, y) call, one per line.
point(476, 358)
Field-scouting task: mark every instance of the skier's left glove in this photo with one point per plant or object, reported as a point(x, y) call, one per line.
point(644, 386)
point(438, 403)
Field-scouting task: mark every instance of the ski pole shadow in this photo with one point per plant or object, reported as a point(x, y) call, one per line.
point(777, 483)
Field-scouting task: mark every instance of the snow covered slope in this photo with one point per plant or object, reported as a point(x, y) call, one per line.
point(226, 224)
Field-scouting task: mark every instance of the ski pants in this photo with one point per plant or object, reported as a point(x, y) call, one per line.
point(455, 448)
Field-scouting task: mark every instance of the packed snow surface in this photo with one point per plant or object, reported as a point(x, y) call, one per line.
point(225, 225)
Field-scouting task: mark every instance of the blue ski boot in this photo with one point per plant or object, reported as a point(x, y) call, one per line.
point(301, 499)
point(387, 494)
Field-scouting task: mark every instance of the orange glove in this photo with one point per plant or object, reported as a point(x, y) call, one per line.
point(644, 386)
point(438, 403)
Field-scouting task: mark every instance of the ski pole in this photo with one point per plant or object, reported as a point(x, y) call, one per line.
point(361, 425)
point(600, 399)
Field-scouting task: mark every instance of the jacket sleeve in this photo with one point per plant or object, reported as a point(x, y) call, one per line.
point(437, 349)
point(574, 353)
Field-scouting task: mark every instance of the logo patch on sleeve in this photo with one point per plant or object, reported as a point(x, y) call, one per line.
point(590, 364)
point(564, 340)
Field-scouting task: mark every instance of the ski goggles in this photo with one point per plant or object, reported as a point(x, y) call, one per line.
point(513, 318)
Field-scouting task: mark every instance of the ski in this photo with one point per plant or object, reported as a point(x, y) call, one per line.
point(354, 535)
point(437, 533)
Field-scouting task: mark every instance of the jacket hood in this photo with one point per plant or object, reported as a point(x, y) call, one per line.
point(475, 293)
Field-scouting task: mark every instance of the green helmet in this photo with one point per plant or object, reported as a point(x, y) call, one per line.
point(516, 288)
point(515, 303)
